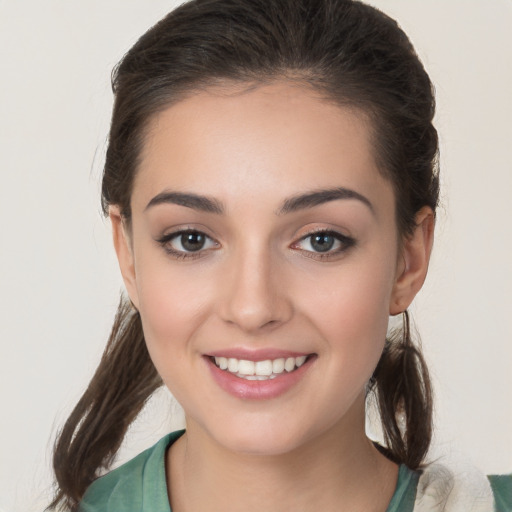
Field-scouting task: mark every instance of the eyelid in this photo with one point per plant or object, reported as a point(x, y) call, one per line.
point(165, 240)
point(343, 242)
point(346, 242)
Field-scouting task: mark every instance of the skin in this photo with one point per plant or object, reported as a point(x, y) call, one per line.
point(259, 283)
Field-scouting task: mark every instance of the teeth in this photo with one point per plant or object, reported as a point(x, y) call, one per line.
point(259, 370)
point(263, 367)
point(289, 364)
point(245, 367)
point(256, 377)
point(299, 361)
point(278, 365)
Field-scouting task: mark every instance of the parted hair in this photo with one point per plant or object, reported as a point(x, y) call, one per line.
point(355, 56)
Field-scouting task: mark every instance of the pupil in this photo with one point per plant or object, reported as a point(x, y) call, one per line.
point(322, 243)
point(192, 241)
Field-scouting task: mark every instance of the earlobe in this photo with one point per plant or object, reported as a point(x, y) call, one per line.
point(124, 251)
point(413, 262)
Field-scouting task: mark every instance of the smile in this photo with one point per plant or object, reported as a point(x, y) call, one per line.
point(259, 370)
point(258, 375)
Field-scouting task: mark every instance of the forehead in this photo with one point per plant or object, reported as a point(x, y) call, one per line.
point(266, 140)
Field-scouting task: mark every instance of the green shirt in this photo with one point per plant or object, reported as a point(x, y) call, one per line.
point(140, 486)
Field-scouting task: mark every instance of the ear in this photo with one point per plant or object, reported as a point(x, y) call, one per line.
point(413, 262)
point(124, 251)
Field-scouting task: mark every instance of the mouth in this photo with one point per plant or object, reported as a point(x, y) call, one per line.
point(258, 374)
point(266, 369)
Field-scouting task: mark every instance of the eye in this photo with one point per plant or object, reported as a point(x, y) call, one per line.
point(324, 244)
point(187, 243)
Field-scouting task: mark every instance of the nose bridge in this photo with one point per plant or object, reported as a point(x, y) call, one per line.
point(255, 295)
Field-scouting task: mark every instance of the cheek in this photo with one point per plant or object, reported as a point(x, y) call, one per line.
point(351, 310)
point(173, 304)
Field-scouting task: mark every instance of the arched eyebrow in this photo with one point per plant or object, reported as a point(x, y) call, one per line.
point(318, 197)
point(194, 201)
point(290, 205)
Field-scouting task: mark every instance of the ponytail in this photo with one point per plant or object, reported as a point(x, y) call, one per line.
point(93, 433)
point(348, 52)
point(126, 378)
point(404, 395)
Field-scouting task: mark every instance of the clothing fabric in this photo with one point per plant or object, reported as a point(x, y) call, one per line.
point(140, 486)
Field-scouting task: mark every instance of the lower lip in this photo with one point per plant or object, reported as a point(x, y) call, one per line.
point(257, 389)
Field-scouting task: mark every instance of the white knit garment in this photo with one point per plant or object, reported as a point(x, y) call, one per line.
point(446, 489)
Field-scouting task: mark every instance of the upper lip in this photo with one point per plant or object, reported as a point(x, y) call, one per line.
point(255, 354)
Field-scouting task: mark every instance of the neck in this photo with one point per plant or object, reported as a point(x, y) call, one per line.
point(331, 472)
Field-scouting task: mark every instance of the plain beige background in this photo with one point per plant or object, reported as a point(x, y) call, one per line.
point(59, 281)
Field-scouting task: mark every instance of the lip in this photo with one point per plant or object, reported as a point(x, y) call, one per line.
point(257, 389)
point(256, 355)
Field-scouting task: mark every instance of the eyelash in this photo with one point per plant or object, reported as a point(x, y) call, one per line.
point(184, 254)
point(344, 243)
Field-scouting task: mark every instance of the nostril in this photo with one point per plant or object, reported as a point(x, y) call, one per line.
point(251, 298)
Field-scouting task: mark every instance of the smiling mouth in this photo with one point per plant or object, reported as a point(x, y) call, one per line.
point(259, 370)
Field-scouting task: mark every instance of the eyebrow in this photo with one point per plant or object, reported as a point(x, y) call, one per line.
point(318, 197)
point(194, 201)
point(293, 204)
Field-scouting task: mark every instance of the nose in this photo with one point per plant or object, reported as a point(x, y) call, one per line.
point(254, 294)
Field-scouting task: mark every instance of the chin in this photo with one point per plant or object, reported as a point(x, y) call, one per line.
point(262, 445)
point(259, 438)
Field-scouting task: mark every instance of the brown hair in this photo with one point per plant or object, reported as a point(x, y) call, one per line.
point(350, 52)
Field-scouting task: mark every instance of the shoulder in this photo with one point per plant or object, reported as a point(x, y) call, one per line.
point(502, 489)
point(462, 489)
point(128, 486)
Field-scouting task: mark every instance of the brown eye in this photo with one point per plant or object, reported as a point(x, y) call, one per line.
point(194, 241)
point(187, 243)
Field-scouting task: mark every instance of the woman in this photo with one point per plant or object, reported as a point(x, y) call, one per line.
point(271, 180)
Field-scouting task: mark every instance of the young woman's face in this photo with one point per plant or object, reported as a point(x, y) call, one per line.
point(263, 237)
